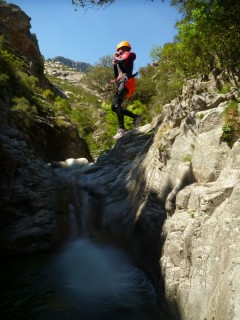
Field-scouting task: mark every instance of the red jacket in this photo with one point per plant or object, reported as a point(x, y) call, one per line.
point(124, 63)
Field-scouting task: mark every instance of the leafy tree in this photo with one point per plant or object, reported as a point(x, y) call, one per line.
point(170, 72)
point(99, 76)
point(106, 61)
point(208, 37)
point(210, 33)
point(145, 87)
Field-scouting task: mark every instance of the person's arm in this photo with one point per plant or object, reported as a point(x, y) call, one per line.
point(125, 57)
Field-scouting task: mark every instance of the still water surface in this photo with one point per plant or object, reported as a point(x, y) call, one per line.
point(84, 281)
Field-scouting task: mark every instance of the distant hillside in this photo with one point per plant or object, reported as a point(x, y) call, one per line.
point(81, 66)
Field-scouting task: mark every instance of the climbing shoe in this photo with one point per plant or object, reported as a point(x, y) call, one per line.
point(121, 132)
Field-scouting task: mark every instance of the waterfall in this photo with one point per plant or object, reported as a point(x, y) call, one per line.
point(100, 281)
point(84, 280)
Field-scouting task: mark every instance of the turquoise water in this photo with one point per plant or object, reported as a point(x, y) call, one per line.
point(83, 281)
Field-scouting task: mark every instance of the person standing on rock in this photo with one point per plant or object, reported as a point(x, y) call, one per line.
point(124, 79)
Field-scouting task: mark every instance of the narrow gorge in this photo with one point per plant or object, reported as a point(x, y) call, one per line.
point(148, 231)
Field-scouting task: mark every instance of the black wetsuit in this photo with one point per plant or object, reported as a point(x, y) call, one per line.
point(123, 66)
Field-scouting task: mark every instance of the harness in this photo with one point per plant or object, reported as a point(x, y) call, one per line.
point(123, 72)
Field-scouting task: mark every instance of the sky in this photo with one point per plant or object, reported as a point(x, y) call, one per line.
point(88, 35)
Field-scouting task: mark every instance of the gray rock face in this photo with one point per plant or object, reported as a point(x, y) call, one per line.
point(169, 193)
point(28, 205)
point(201, 253)
point(32, 213)
point(15, 26)
point(81, 66)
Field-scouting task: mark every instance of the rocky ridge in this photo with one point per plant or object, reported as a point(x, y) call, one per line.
point(15, 26)
point(58, 70)
point(67, 74)
point(169, 193)
point(80, 66)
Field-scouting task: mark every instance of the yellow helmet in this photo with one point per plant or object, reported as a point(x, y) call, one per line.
point(123, 44)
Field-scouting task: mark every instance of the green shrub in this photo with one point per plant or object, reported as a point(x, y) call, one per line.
point(187, 158)
point(200, 116)
point(14, 80)
point(84, 120)
point(228, 132)
point(22, 112)
point(110, 118)
point(231, 127)
point(61, 106)
point(48, 95)
point(30, 82)
point(137, 107)
point(225, 88)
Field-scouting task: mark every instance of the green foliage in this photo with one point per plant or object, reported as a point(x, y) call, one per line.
point(200, 116)
point(99, 129)
point(61, 106)
point(84, 119)
point(48, 95)
point(137, 107)
point(105, 61)
point(99, 76)
point(14, 79)
point(9, 67)
point(187, 158)
point(231, 128)
point(209, 33)
point(170, 73)
point(22, 112)
point(155, 53)
point(225, 88)
point(145, 87)
point(21, 105)
point(208, 37)
point(228, 132)
point(111, 119)
point(28, 81)
point(192, 214)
